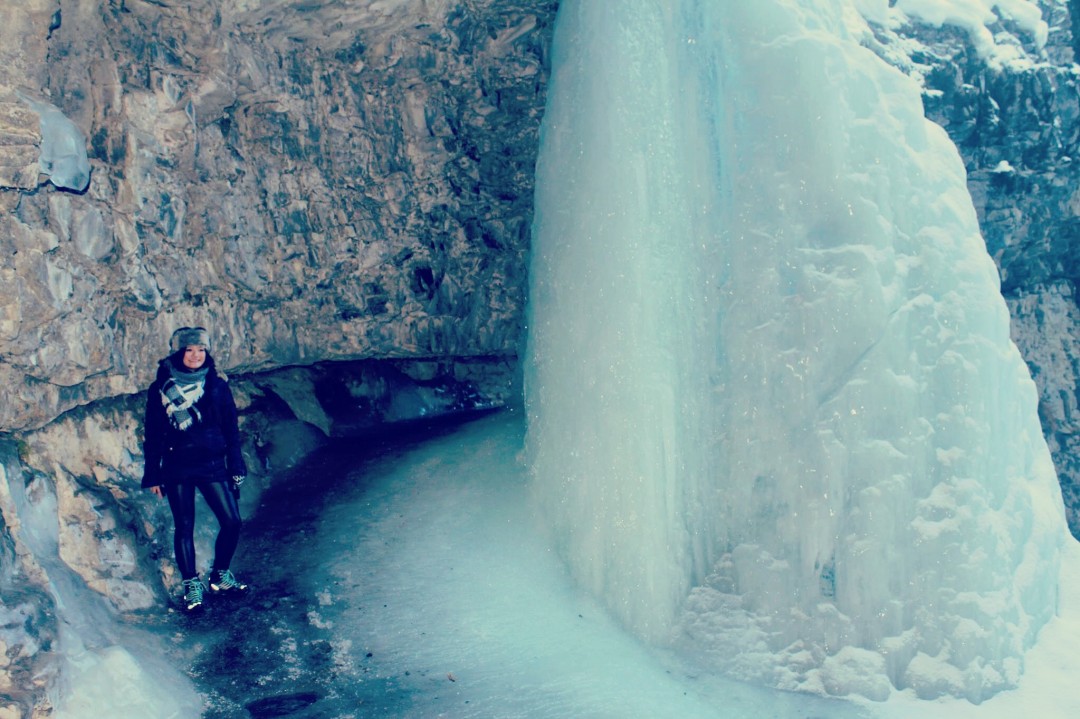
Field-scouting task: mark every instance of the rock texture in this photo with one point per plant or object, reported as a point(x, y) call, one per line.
point(310, 181)
point(340, 192)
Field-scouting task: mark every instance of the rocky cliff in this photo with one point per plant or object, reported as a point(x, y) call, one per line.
point(339, 192)
point(310, 181)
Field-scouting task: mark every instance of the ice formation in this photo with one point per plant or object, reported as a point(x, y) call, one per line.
point(63, 147)
point(776, 418)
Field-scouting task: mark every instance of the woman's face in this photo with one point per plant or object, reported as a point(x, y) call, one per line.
point(194, 356)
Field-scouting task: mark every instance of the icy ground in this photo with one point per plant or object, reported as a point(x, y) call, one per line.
point(416, 582)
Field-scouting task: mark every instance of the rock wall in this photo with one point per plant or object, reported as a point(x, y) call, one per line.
point(308, 181)
point(340, 192)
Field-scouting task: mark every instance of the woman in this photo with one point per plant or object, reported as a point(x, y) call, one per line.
point(193, 443)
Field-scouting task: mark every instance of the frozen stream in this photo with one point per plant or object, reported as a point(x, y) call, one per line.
point(415, 582)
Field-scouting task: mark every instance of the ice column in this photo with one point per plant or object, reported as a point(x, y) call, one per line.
point(775, 415)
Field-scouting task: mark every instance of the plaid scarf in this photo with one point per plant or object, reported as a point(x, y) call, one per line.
point(179, 394)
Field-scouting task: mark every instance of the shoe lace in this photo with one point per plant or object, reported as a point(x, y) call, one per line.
point(193, 591)
point(226, 580)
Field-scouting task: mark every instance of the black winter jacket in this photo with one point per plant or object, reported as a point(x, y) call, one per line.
point(209, 450)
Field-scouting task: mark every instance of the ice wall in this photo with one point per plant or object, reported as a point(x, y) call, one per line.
point(776, 418)
point(87, 661)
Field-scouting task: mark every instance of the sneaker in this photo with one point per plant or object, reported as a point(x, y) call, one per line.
point(193, 594)
point(226, 581)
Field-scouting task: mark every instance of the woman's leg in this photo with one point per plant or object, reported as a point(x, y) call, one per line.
point(222, 503)
point(182, 503)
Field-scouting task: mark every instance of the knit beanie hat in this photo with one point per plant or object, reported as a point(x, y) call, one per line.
point(188, 336)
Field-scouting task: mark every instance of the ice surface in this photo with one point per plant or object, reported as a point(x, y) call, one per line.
point(63, 147)
point(433, 585)
point(776, 419)
point(113, 682)
point(441, 571)
point(107, 668)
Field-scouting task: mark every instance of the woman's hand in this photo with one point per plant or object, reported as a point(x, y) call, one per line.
point(158, 491)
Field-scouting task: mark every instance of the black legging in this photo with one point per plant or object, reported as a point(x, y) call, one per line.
point(222, 503)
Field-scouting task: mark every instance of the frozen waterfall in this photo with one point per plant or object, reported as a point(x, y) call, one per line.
point(775, 416)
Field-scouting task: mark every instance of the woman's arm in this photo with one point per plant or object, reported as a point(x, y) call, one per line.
point(230, 430)
point(154, 426)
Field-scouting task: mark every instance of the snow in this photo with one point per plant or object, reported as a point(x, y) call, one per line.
point(975, 15)
point(791, 436)
point(980, 19)
point(1008, 35)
